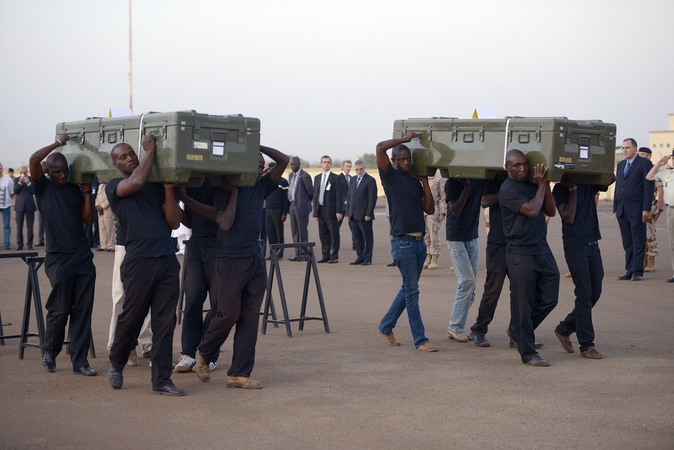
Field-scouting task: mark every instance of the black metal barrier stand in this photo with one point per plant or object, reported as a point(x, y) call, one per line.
point(275, 269)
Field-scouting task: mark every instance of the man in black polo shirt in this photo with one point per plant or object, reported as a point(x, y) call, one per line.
point(147, 212)
point(240, 264)
point(534, 277)
point(580, 235)
point(68, 261)
point(463, 203)
point(408, 198)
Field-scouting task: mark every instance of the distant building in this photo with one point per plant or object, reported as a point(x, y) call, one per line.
point(662, 142)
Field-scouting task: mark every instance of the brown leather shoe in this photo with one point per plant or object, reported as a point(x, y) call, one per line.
point(390, 338)
point(565, 341)
point(591, 353)
point(427, 347)
point(202, 369)
point(243, 383)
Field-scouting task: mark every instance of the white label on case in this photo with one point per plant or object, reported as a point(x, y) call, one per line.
point(201, 145)
point(218, 148)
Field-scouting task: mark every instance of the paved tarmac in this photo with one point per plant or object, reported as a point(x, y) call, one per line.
point(348, 389)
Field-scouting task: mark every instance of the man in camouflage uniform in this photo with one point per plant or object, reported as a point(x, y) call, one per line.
point(651, 239)
point(437, 184)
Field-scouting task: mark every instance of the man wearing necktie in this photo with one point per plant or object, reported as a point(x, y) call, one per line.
point(328, 210)
point(632, 206)
point(360, 212)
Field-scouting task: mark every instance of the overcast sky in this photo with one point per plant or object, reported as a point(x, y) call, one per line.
point(331, 77)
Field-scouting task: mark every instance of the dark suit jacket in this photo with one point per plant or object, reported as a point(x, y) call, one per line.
point(344, 188)
point(363, 199)
point(332, 198)
point(25, 202)
point(304, 192)
point(633, 193)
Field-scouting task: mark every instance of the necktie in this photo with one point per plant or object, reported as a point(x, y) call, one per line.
point(293, 188)
point(627, 168)
point(358, 182)
point(323, 180)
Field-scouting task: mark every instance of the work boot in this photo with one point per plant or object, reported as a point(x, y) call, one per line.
point(650, 264)
point(434, 262)
point(427, 262)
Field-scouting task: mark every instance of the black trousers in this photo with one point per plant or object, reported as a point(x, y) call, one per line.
point(299, 226)
point(73, 279)
point(633, 233)
point(275, 228)
point(40, 229)
point(149, 284)
point(534, 290)
point(497, 270)
point(30, 220)
point(328, 232)
point(240, 293)
point(200, 280)
point(364, 239)
point(353, 237)
point(587, 272)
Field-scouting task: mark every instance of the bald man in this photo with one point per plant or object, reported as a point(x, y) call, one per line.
point(68, 261)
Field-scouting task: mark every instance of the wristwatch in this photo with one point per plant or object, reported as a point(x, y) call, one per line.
point(571, 189)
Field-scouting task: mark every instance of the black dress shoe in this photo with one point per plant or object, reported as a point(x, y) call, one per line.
point(480, 339)
point(356, 262)
point(670, 280)
point(19, 247)
point(48, 363)
point(637, 277)
point(40, 244)
point(87, 371)
point(367, 263)
point(391, 264)
point(323, 260)
point(30, 247)
point(538, 361)
point(297, 258)
point(627, 276)
point(332, 261)
point(169, 389)
point(513, 341)
point(115, 377)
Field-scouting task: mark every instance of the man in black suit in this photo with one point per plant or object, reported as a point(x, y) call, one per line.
point(632, 207)
point(328, 210)
point(360, 205)
point(300, 194)
point(24, 208)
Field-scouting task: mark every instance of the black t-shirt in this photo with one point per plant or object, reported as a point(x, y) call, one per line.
point(146, 234)
point(524, 235)
point(241, 240)
point(585, 227)
point(496, 235)
point(403, 194)
point(464, 227)
point(61, 209)
point(204, 231)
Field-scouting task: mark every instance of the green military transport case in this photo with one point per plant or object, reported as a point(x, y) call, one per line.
point(190, 146)
point(476, 148)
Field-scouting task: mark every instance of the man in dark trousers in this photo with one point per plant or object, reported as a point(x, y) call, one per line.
point(199, 262)
point(632, 201)
point(328, 210)
point(344, 183)
point(147, 212)
point(277, 213)
point(533, 272)
point(409, 198)
point(360, 205)
point(580, 235)
point(240, 265)
point(68, 261)
point(24, 207)
point(300, 194)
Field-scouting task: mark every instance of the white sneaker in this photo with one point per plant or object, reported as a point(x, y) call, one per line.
point(213, 365)
point(185, 363)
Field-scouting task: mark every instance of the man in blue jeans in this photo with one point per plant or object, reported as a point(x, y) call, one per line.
point(463, 201)
point(408, 198)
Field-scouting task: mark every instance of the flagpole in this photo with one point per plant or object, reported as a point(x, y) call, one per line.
point(130, 63)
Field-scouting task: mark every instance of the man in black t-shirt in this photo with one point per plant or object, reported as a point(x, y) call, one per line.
point(580, 235)
point(241, 274)
point(147, 212)
point(68, 261)
point(408, 198)
point(534, 277)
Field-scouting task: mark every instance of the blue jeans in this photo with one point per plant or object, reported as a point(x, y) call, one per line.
point(6, 213)
point(409, 254)
point(464, 257)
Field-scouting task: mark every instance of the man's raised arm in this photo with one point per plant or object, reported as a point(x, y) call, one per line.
point(382, 157)
point(37, 157)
